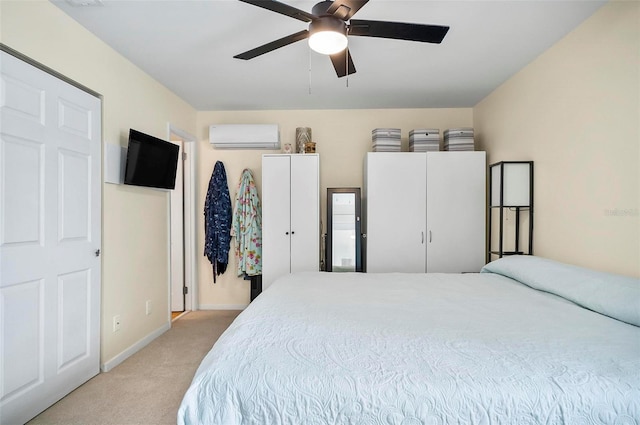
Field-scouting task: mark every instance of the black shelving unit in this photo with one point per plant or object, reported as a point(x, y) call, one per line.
point(510, 190)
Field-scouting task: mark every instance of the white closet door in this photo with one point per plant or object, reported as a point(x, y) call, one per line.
point(276, 217)
point(396, 209)
point(305, 220)
point(456, 188)
point(50, 228)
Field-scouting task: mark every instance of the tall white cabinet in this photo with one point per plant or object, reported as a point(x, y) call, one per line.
point(290, 215)
point(425, 212)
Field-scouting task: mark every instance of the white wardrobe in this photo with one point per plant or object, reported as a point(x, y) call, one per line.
point(290, 215)
point(425, 212)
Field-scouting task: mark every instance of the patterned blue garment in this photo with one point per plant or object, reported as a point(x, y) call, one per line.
point(217, 221)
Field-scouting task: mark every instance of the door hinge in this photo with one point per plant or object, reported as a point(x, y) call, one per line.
point(185, 290)
point(97, 252)
point(184, 156)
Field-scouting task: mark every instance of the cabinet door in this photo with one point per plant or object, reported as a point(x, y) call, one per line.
point(276, 178)
point(305, 214)
point(456, 211)
point(395, 212)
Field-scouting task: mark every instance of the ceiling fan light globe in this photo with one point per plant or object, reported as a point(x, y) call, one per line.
point(328, 42)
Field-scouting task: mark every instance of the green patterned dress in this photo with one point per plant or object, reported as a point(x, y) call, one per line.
point(247, 227)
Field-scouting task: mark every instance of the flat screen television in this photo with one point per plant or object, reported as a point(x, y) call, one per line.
point(151, 162)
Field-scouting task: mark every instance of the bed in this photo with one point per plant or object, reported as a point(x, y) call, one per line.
point(526, 341)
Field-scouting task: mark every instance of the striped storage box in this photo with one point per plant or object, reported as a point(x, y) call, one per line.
point(424, 140)
point(386, 140)
point(459, 139)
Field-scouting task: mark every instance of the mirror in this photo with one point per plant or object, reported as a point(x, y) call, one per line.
point(343, 230)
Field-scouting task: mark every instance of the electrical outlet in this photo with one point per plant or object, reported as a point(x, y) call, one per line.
point(148, 306)
point(116, 323)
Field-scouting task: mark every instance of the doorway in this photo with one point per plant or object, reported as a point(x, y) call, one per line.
point(183, 282)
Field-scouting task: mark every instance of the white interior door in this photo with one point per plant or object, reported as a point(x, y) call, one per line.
point(396, 211)
point(305, 213)
point(177, 236)
point(50, 224)
point(456, 188)
point(276, 217)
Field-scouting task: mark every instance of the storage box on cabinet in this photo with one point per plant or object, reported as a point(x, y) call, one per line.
point(424, 140)
point(459, 139)
point(386, 140)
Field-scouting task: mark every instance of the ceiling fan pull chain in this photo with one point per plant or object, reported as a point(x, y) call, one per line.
point(346, 67)
point(309, 51)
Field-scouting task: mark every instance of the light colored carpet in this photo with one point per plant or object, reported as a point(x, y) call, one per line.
point(147, 388)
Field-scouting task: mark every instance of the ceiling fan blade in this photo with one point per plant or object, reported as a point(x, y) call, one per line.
point(266, 48)
point(398, 30)
point(341, 61)
point(345, 9)
point(284, 9)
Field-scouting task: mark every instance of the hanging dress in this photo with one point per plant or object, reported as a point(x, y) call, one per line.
point(217, 221)
point(247, 227)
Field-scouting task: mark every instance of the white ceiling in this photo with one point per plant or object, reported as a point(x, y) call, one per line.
point(189, 46)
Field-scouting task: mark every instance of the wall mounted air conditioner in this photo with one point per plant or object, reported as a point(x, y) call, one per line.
point(244, 136)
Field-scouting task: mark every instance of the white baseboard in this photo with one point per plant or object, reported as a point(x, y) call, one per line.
point(108, 365)
point(222, 306)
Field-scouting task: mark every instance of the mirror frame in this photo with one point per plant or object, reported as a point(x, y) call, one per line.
point(358, 223)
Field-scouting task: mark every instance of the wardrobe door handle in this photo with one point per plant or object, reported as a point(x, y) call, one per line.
point(293, 233)
point(422, 233)
point(286, 233)
point(429, 236)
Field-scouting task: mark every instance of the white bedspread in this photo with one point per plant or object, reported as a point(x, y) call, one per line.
point(352, 348)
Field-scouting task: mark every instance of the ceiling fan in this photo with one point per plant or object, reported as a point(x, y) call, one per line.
point(329, 25)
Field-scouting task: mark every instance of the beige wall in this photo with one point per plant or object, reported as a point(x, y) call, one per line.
point(342, 137)
point(135, 220)
point(575, 111)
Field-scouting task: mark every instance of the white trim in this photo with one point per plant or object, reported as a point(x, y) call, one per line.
point(191, 303)
point(178, 204)
point(191, 278)
point(169, 269)
point(124, 355)
point(223, 306)
point(50, 71)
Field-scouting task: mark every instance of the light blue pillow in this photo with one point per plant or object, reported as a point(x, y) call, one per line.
point(610, 294)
